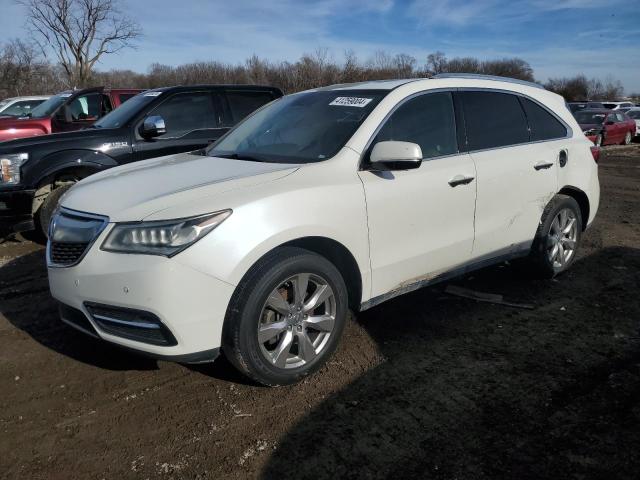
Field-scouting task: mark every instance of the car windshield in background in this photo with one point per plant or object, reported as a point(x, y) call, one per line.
point(48, 107)
point(589, 117)
point(635, 114)
point(121, 115)
point(301, 128)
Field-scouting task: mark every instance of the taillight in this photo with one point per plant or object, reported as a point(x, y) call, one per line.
point(595, 151)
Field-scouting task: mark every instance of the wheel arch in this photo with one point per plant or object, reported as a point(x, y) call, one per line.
point(582, 199)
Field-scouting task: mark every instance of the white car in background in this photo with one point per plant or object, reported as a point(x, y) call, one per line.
point(634, 114)
point(618, 105)
point(335, 198)
point(20, 106)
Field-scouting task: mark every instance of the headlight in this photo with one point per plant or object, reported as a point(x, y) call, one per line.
point(10, 167)
point(166, 237)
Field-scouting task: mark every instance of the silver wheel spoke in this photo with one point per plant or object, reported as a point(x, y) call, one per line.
point(300, 285)
point(560, 254)
point(322, 323)
point(270, 330)
point(277, 303)
point(318, 298)
point(555, 225)
point(562, 219)
point(306, 349)
point(280, 354)
point(568, 243)
point(567, 229)
point(554, 252)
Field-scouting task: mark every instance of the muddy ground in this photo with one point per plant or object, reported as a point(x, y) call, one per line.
point(427, 385)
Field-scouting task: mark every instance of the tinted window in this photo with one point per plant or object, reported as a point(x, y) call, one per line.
point(300, 128)
point(427, 120)
point(585, 118)
point(612, 118)
point(635, 114)
point(126, 96)
point(542, 124)
point(620, 117)
point(50, 106)
point(21, 108)
point(244, 103)
point(121, 115)
point(493, 120)
point(186, 112)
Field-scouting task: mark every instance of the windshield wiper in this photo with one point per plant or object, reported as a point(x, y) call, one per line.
point(242, 156)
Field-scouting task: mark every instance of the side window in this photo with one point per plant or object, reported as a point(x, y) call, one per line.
point(242, 103)
point(493, 120)
point(611, 118)
point(427, 120)
point(186, 112)
point(126, 96)
point(620, 117)
point(106, 105)
point(543, 125)
point(86, 107)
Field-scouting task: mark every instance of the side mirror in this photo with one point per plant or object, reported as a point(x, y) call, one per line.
point(609, 122)
point(392, 155)
point(153, 126)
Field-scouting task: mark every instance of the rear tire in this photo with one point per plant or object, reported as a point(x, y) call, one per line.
point(45, 212)
point(558, 237)
point(286, 317)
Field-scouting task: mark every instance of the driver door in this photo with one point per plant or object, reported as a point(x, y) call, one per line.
point(421, 221)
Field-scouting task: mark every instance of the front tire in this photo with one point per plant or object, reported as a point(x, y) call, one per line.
point(627, 139)
point(286, 317)
point(45, 212)
point(599, 140)
point(557, 238)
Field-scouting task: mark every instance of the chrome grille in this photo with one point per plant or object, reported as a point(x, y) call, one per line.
point(71, 234)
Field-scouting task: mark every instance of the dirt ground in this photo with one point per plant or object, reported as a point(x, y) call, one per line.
point(427, 385)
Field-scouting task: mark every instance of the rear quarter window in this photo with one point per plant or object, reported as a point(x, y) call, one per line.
point(542, 124)
point(243, 104)
point(493, 120)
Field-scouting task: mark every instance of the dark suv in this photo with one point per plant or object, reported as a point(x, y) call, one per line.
point(35, 172)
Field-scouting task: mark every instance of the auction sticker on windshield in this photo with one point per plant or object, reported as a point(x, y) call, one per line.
point(351, 102)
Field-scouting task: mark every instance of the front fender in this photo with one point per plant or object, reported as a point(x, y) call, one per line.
point(49, 165)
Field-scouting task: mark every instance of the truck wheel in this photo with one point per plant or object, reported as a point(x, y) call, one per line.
point(45, 212)
point(557, 238)
point(286, 317)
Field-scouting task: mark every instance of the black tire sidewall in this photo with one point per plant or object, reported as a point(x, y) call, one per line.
point(539, 250)
point(45, 212)
point(240, 342)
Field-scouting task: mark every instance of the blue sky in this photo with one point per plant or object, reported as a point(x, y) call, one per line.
point(557, 37)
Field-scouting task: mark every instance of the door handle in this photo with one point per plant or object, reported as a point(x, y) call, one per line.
point(460, 180)
point(543, 165)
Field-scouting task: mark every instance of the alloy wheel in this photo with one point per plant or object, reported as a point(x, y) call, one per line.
point(562, 238)
point(297, 321)
point(627, 138)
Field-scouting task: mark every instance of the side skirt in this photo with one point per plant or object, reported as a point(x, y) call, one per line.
point(456, 272)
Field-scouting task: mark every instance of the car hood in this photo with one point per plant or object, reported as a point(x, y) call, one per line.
point(59, 140)
point(136, 191)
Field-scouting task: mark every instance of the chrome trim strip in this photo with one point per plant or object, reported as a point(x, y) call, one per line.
point(127, 322)
point(496, 78)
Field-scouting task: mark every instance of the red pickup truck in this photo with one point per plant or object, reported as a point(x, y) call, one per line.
point(64, 112)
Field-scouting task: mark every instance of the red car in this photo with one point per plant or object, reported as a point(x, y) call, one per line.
point(606, 127)
point(64, 112)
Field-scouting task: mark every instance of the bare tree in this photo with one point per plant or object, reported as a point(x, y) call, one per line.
point(79, 32)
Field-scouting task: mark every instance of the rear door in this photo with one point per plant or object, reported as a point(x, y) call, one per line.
point(421, 220)
point(517, 169)
point(192, 122)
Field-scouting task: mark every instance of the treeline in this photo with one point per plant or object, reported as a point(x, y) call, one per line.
point(24, 72)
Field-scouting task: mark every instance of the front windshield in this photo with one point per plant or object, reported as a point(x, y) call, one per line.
point(48, 107)
point(121, 115)
point(301, 128)
point(590, 117)
point(635, 114)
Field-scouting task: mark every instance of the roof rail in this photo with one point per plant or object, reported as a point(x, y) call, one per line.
point(479, 76)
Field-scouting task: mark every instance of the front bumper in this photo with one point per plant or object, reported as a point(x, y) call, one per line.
point(190, 304)
point(15, 211)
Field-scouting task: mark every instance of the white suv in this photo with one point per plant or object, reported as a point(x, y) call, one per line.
point(335, 198)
